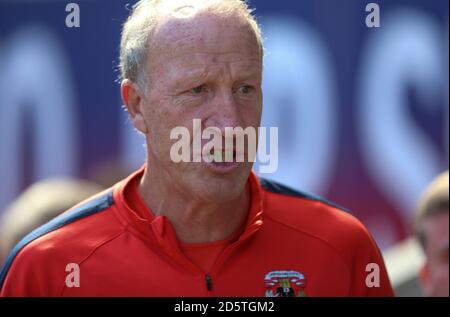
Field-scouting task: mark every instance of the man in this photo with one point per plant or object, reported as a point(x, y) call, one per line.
point(196, 228)
point(431, 227)
point(38, 204)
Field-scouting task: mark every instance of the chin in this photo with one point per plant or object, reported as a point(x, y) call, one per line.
point(220, 187)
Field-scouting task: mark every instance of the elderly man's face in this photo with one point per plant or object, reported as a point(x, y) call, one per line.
point(204, 67)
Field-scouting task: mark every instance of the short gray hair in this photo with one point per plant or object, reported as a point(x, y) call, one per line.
point(143, 20)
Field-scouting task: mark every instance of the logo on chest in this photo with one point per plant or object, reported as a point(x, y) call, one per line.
point(285, 284)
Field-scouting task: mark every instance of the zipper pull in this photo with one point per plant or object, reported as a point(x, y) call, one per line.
point(208, 281)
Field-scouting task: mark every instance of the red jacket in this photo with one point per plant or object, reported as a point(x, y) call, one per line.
point(292, 245)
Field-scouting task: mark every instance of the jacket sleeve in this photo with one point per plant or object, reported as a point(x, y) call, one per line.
point(30, 273)
point(370, 276)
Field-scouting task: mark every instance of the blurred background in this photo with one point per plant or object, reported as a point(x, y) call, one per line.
point(362, 112)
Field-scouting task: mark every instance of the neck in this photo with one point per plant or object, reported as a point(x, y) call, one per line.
point(193, 221)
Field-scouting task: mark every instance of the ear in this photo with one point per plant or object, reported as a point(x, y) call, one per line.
point(133, 99)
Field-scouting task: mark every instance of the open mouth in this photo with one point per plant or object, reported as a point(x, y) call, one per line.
point(221, 160)
point(221, 156)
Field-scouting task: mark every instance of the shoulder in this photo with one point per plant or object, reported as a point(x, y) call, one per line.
point(70, 237)
point(314, 216)
point(327, 226)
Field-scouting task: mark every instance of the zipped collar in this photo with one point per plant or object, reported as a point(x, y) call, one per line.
point(159, 229)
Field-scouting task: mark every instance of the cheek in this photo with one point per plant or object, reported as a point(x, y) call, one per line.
point(159, 125)
point(257, 109)
point(253, 116)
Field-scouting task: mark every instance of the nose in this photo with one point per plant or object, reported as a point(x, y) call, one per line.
point(225, 111)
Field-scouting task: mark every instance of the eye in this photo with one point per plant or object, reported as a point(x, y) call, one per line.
point(245, 89)
point(197, 90)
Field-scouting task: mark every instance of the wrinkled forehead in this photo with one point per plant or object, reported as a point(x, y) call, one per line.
point(189, 31)
point(196, 67)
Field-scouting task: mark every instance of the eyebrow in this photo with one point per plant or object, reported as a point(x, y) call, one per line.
point(197, 75)
point(193, 76)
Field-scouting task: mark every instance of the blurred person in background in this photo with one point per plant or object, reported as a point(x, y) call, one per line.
point(38, 204)
point(431, 228)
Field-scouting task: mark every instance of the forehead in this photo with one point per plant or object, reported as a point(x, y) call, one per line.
point(202, 39)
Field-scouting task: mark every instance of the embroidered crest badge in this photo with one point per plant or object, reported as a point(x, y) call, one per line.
point(285, 284)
